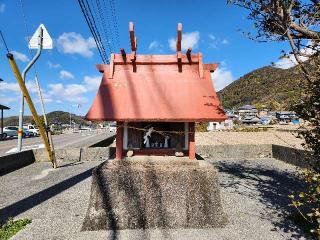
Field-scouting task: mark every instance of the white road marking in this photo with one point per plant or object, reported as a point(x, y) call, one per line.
point(25, 148)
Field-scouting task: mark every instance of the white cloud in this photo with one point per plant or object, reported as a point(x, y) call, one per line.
point(11, 87)
point(286, 63)
point(7, 100)
point(92, 83)
point(14, 87)
point(2, 7)
point(189, 40)
point(20, 56)
point(31, 86)
point(73, 93)
point(290, 61)
point(214, 42)
point(221, 78)
point(225, 41)
point(74, 43)
point(65, 75)
point(155, 45)
point(53, 65)
point(69, 92)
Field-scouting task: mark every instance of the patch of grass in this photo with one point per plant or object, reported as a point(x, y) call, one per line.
point(10, 228)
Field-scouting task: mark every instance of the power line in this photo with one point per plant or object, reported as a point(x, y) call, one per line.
point(91, 26)
point(106, 27)
point(4, 42)
point(114, 20)
point(103, 25)
point(97, 30)
point(110, 21)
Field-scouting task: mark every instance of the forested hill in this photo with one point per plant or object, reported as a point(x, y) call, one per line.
point(266, 87)
point(55, 116)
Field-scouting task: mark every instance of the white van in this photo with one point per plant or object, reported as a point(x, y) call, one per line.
point(31, 128)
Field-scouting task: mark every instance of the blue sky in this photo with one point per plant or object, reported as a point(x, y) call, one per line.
point(67, 73)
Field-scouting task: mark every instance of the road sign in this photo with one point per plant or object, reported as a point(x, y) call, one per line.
point(34, 41)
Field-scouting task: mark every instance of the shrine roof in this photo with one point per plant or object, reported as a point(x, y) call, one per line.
point(156, 90)
point(175, 88)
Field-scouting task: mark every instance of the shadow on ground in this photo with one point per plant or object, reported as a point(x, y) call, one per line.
point(36, 199)
point(270, 186)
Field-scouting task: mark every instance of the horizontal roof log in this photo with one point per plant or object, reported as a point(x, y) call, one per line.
point(158, 59)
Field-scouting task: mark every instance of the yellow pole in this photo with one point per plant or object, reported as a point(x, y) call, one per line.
point(36, 118)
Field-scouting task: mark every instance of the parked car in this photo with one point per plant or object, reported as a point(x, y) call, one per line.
point(85, 128)
point(12, 131)
point(32, 129)
point(9, 132)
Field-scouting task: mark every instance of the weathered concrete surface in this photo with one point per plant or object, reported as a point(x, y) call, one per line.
point(76, 154)
point(15, 161)
point(11, 162)
point(244, 151)
point(297, 157)
point(254, 195)
point(149, 192)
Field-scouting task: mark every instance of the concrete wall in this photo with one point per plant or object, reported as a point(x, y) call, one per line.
point(235, 151)
point(293, 156)
point(15, 161)
point(76, 154)
point(297, 157)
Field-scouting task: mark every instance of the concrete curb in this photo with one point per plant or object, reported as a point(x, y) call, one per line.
point(15, 161)
point(297, 157)
point(11, 162)
point(235, 151)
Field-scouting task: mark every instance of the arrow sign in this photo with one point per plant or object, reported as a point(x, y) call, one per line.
point(34, 41)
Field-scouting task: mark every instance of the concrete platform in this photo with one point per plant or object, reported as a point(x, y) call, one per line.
point(154, 192)
point(254, 195)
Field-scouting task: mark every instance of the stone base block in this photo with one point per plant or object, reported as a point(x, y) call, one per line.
point(144, 193)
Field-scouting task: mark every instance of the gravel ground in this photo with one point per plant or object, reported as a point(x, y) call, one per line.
point(288, 139)
point(254, 196)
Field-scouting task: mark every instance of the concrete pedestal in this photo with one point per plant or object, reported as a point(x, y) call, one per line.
point(154, 192)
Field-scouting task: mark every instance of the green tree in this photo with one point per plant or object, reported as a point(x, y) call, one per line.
point(298, 23)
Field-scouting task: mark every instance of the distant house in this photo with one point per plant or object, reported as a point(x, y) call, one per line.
point(251, 120)
point(216, 126)
point(263, 112)
point(285, 116)
point(247, 111)
point(265, 120)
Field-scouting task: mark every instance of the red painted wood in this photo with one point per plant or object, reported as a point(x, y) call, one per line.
point(192, 145)
point(119, 141)
point(156, 92)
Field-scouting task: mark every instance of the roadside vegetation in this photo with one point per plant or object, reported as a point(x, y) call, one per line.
point(11, 227)
point(297, 22)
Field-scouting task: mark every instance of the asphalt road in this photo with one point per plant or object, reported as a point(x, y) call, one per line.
point(69, 140)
